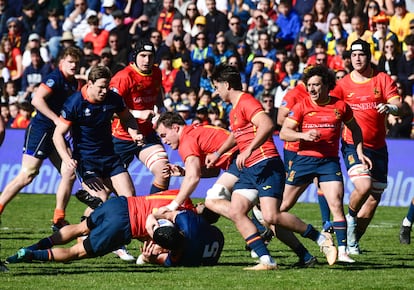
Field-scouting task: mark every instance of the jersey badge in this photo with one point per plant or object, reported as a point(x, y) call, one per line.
point(351, 159)
point(87, 112)
point(350, 95)
point(50, 83)
point(337, 114)
point(291, 175)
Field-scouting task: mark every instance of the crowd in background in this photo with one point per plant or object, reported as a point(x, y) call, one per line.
point(270, 42)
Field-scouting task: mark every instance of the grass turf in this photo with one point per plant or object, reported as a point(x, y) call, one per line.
point(384, 264)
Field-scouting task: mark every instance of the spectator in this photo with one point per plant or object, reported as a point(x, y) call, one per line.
point(309, 33)
point(53, 33)
point(6, 13)
point(242, 10)
point(34, 73)
point(201, 50)
point(336, 62)
point(11, 94)
point(159, 46)
point(141, 27)
point(268, 8)
point(400, 21)
point(66, 40)
point(14, 33)
point(189, 20)
point(168, 73)
point(107, 20)
point(406, 65)
point(382, 34)
point(235, 61)
point(99, 37)
point(256, 77)
point(292, 74)
point(265, 48)
point(321, 10)
point(359, 32)
point(121, 29)
point(178, 49)
point(22, 119)
point(303, 7)
point(400, 126)
point(268, 104)
point(388, 61)
point(119, 53)
point(13, 59)
point(220, 50)
point(5, 114)
point(188, 77)
point(300, 52)
point(371, 10)
point(335, 33)
point(34, 42)
point(216, 21)
point(77, 23)
point(166, 17)
point(177, 30)
point(32, 22)
point(4, 71)
point(207, 71)
point(236, 32)
point(289, 25)
point(345, 21)
point(269, 86)
point(14, 111)
point(260, 25)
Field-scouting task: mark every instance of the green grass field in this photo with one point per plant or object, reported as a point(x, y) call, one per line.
point(385, 264)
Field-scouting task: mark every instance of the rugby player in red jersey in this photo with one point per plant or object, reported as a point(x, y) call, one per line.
point(371, 95)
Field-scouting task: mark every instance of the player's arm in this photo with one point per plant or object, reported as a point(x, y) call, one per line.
point(226, 146)
point(358, 141)
point(289, 133)
point(264, 129)
point(190, 181)
point(128, 120)
point(282, 114)
point(39, 102)
point(61, 129)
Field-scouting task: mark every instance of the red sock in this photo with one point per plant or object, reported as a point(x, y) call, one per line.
point(59, 214)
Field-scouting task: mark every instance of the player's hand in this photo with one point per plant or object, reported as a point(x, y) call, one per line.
point(172, 170)
point(387, 109)
point(71, 163)
point(139, 139)
point(312, 135)
point(365, 161)
point(147, 250)
point(211, 159)
point(151, 224)
point(242, 157)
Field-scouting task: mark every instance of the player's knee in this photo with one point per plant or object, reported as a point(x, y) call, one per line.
point(154, 158)
point(360, 177)
point(28, 174)
point(218, 191)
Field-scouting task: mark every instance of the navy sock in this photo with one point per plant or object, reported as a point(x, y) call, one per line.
point(255, 242)
point(302, 253)
point(42, 255)
point(311, 233)
point(410, 214)
point(340, 232)
point(324, 207)
point(258, 225)
point(352, 212)
point(45, 243)
point(155, 189)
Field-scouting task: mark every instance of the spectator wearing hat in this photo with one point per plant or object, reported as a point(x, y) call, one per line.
point(67, 40)
point(199, 25)
point(400, 21)
point(14, 32)
point(382, 34)
point(178, 30)
point(53, 33)
point(32, 22)
point(77, 21)
point(99, 37)
point(142, 100)
point(236, 32)
point(200, 50)
point(34, 42)
point(188, 77)
point(107, 20)
point(185, 112)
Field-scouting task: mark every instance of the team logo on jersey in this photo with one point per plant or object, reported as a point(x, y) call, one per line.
point(50, 83)
point(337, 114)
point(87, 112)
point(377, 93)
point(267, 187)
point(291, 114)
point(350, 95)
point(63, 114)
point(339, 173)
point(115, 90)
point(351, 159)
point(291, 175)
point(311, 114)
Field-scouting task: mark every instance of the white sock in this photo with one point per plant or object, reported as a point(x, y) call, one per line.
point(341, 250)
point(267, 259)
point(406, 223)
point(321, 239)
